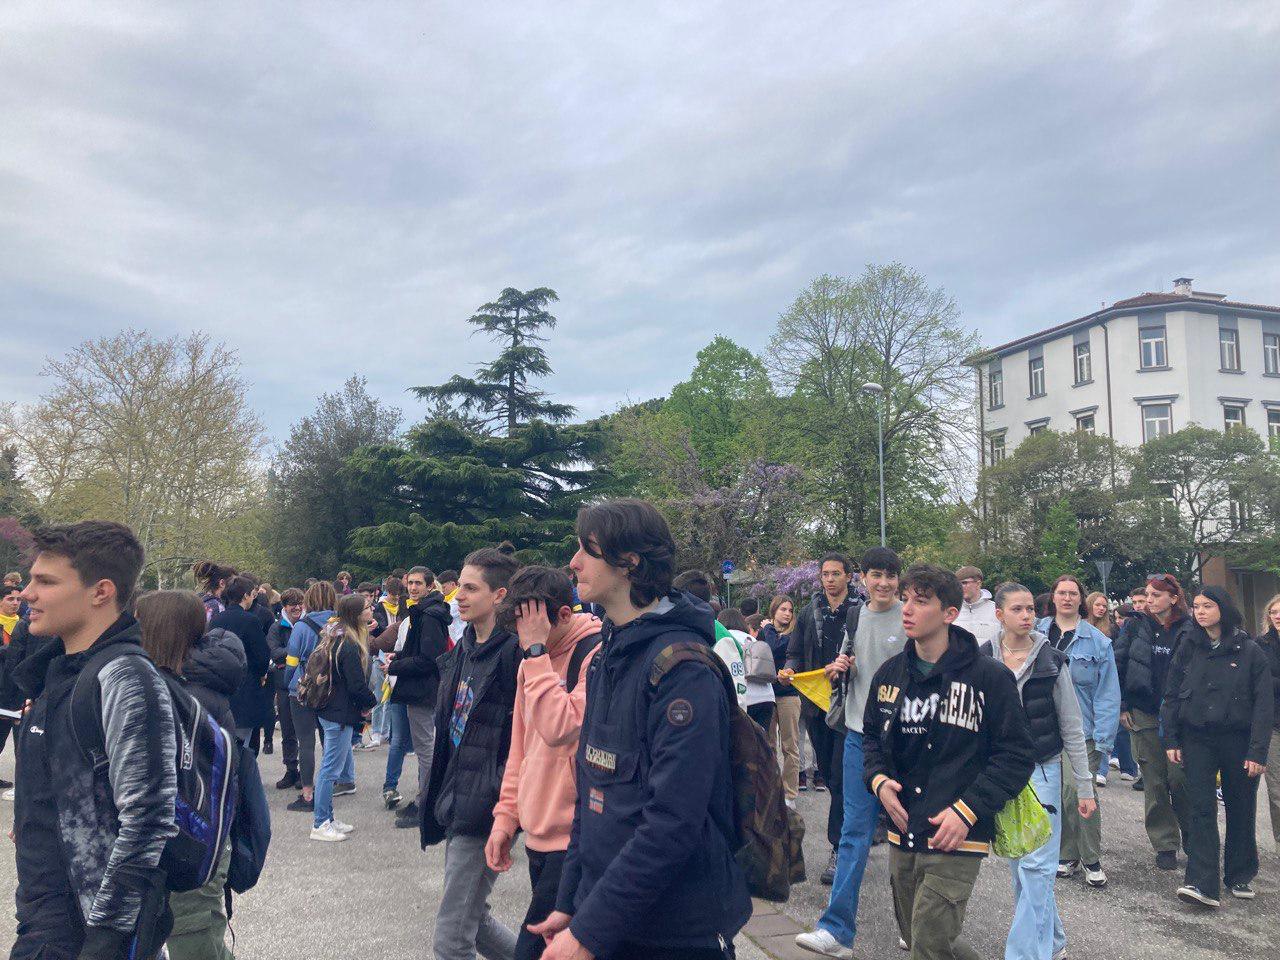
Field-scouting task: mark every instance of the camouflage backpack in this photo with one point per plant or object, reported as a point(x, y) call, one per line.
point(769, 834)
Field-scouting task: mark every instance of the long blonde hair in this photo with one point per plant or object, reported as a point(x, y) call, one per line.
point(350, 617)
point(1103, 624)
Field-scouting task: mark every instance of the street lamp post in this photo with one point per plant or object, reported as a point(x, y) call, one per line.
point(877, 391)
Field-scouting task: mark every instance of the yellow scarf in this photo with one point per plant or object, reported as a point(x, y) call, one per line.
point(452, 593)
point(7, 624)
point(393, 609)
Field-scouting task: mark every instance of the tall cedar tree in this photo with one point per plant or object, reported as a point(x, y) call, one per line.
point(499, 394)
point(455, 484)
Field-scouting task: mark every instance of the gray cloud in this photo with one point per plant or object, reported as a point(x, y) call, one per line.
point(333, 188)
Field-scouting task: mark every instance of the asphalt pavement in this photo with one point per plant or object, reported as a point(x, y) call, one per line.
point(374, 897)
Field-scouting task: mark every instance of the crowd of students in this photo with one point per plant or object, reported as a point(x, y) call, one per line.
point(547, 703)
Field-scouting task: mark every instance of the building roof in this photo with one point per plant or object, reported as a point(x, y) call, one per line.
point(1145, 301)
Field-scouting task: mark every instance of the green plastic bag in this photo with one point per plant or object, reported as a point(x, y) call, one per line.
point(1023, 826)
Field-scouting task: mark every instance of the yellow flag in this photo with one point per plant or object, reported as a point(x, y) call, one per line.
point(814, 685)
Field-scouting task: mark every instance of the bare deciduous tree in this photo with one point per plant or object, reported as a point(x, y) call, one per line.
point(155, 433)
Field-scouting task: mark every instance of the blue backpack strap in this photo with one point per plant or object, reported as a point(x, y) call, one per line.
point(86, 702)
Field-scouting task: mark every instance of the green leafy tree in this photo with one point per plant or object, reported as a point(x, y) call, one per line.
point(314, 505)
point(721, 406)
point(499, 395)
point(1059, 546)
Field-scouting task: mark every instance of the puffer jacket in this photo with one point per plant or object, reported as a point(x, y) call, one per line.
point(1140, 684)
point(426, 638)
point(213, 671)
point(1227, 689)
point(1092, 663)
point(109, 867)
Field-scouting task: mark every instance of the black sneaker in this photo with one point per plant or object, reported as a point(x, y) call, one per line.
point(302, 805)
point(1242, 891)
point(1068, 868)
point(829, 874)
point(288, 781)
point(1138, 785)
point(1167, 860)
point(391, 798)
point(407, 817)
point(5, 785)
point(819, 785)
point(341, 789)
point(1192, 894)
point(804, 782)
point(268, 748)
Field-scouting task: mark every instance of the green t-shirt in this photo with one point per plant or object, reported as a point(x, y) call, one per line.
point(924, 668)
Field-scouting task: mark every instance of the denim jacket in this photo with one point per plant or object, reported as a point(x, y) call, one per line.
point(1093, 670)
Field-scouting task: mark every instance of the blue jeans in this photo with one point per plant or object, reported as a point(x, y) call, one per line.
point(860, 812)
point(379, 722)
point(338, 763)
point(1036, 933)
point(401, 744)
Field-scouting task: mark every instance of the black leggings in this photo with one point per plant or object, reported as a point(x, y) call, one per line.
point(307, 728)
point(544, 877)
point(828, 751)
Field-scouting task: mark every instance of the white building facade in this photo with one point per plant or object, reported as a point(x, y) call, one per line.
point(1137, 369)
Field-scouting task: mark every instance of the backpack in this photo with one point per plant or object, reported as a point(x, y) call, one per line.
point(251, 828)
point(206, 764)
point(768, 835)
point(581, 649)
point(315, 686)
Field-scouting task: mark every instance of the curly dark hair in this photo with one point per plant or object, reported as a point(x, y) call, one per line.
point(611, 529)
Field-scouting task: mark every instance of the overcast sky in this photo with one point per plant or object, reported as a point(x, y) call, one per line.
point(334, 188)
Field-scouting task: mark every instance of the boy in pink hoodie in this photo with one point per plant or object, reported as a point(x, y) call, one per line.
point(538, 792)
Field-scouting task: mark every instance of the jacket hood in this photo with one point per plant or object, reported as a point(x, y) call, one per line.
point(678, 611)
point(983, 599)
point(30, 674)
point(490, 648)
point(962, 650)
point(581, 625)
point(432, 605)
point(1032, 667)
point(217, 661)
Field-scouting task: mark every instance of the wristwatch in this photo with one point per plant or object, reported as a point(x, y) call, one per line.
point(535, 650)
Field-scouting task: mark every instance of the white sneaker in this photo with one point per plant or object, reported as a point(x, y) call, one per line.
point(902, 943)
point(8, 794)
point(327, 833)
point(1128, 777)
point(1100, 780)
point(1115, 765)
point(1061, 954)
point(791, 804)
point(1094, 876)
point(821, 941)
point(341, 827)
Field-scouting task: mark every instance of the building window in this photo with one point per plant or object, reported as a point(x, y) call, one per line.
point(995, 444)
point(1083, 364)
point(1038, 429)
point(1086, 423)
point(1153, 348)
point(1157, 420)
point(1233, 418)
point(1273, 429)
point(1229, 349)
point(1035, 372)
point(1271, 353)
point(995, 389)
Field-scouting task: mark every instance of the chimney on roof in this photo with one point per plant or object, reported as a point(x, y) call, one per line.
point(1182, 286)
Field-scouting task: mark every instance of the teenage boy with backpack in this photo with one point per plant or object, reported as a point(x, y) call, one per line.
point(473, 721)
point(875, 635)
point(650, 870)
point(538, 789)
point(951, 746)
point(89, 842)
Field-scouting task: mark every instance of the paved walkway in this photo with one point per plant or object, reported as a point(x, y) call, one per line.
point(374, 897)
